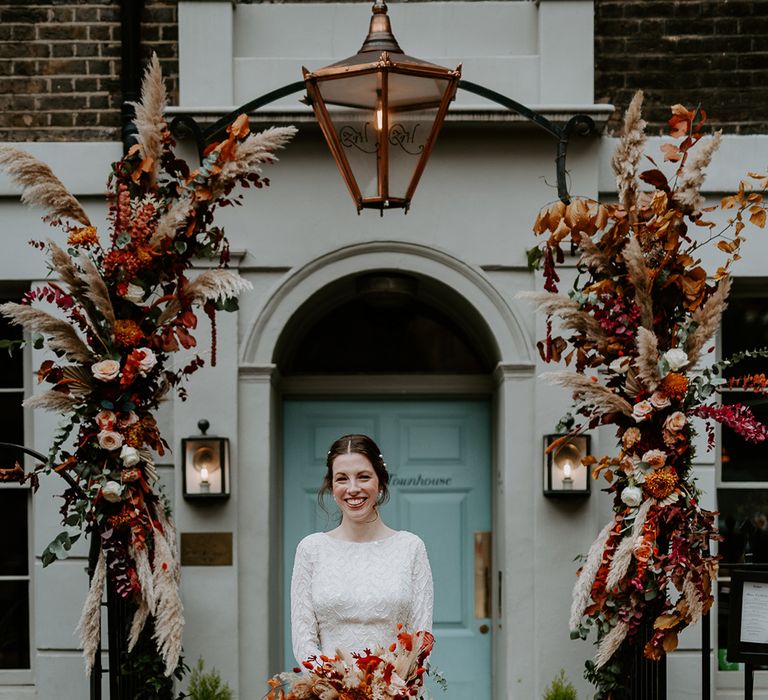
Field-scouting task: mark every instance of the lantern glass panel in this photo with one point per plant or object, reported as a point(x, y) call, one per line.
point(358, 137)
point(359, 91)
point(564, 472)
point(414, 91)
point(205, 466)
point(408, 136)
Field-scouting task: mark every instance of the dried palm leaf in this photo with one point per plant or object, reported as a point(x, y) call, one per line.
point(647, 362)
point(79, 380)
point(150, 115)
point(583, 586)
point(638, 275)
point(61, 336)
point(706, 320)
point(149, 464)
point(52, 400)
point(629, 152)
point(631, 385)
point(40, 187)
point(598, 397)
point(89, 627)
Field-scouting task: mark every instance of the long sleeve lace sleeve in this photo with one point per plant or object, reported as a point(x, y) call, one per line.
point(305, 636)
point(423, 592)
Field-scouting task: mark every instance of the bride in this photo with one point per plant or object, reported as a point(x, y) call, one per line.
point(353, 585)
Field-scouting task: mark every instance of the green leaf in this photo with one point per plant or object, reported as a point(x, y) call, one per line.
point(534, 256)
point(123, 240)
point(180, 246)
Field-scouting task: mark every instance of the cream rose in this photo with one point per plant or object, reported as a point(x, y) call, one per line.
point(134, 293)
point(146, 359)
point(112, 491)
point(659, 400)
point(130, 456)
point(110, 440)
point(675, 422)
point(655, 458)
point(641, 410)
point(106, 420)
point(106, 370)
point(676, 358)
point(632, 496)
point(630, 438)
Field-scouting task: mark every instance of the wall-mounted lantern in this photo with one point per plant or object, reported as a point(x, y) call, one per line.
point(564, 473)
point(205, 465)
point(380, 112)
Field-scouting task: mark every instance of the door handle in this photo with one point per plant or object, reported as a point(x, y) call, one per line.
point(484, 629)
point(482, 575)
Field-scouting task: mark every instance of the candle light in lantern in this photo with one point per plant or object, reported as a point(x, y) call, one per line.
point(205, 486)
point(567, 477)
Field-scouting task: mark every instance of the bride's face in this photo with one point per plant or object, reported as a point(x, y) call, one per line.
point(355, 487)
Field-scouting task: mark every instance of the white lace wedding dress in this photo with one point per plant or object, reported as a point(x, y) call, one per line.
point(352, 595)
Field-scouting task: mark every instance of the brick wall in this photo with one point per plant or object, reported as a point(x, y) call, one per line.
point(60, 62)
point(60, 66)
point(708, 52)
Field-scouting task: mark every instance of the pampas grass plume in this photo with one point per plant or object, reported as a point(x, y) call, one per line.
point(629, 152)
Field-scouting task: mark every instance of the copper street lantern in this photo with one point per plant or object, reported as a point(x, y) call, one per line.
point(380, 112)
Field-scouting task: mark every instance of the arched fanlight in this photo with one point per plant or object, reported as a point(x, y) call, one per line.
point(380, 112)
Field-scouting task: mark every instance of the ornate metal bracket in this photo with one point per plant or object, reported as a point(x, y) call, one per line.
point(579, 123)
point(184, 126)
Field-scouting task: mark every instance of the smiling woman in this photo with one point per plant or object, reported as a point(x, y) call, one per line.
point(352, 586)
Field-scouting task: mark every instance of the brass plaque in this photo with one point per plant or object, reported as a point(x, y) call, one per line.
point(206, 549)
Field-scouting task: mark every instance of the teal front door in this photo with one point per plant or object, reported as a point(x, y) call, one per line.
point(439, 457)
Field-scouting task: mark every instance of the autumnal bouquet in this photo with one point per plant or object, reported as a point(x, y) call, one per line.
point(635, 325)
point(395, 674)
point(123, 307)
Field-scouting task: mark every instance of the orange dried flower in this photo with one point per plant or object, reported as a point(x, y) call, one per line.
point(133, 435)
point(127, 333)
point(85, 236)
point(661, 483)
point(122, 519)
point(675, 386)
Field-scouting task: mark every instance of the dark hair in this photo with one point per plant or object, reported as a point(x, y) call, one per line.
point(361, 445)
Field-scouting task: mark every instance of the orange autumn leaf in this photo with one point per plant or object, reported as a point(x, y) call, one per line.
point(665, 621)
point(670, 642)
point(758, 216)
point(671, 152)
point(239, 128)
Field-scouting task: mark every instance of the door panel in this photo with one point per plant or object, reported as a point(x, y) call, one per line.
point(438, 455)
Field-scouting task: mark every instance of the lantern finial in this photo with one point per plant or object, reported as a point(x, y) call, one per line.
point(380, 37)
